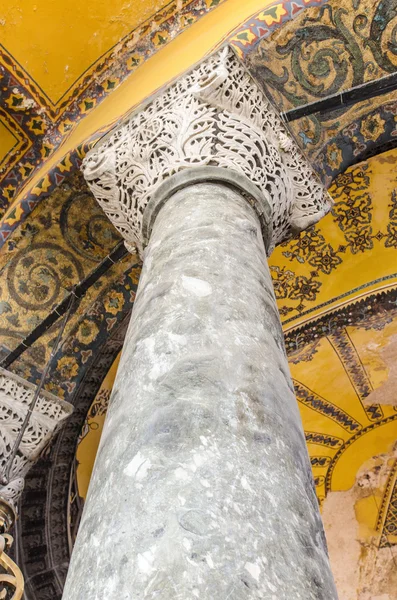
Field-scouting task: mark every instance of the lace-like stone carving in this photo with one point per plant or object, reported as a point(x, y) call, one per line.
point(49, 412)
point(215, 115)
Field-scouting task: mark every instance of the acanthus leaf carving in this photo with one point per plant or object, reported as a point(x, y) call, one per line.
point(214, 115)
point(47, 416)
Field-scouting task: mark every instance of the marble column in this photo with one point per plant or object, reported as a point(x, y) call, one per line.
point(202, 486)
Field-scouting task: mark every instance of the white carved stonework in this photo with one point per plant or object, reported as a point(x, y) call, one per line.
point(215, 115)
point(16, 395)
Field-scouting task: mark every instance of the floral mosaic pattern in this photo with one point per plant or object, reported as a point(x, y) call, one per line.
point(266, 22)
point(325, 50)
point(353, 215)
point(45, 258)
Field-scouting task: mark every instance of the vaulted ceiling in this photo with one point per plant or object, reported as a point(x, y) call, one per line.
point(68, 76)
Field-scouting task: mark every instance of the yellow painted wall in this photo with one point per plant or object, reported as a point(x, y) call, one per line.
point(7, 140)
point(370, 186)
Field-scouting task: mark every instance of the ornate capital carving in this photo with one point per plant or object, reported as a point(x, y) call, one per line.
point(16, 395)
point(216, 116)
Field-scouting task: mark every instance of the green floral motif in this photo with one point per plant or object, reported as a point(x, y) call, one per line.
point(372, 127)
point(67, 367)
point(334, 155)
point(114, 302)
point(87, 331)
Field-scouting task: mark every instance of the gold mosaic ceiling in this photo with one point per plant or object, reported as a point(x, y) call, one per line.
point(336, 284)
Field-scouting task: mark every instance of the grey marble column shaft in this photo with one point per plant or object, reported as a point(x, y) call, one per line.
point(202, 486)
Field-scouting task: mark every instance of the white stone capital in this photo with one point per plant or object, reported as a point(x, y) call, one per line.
point(16, 395)
point(215, 115)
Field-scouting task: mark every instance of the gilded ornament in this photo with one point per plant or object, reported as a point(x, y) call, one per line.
point(11, 578)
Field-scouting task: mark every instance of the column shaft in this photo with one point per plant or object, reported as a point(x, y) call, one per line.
point(202, 486)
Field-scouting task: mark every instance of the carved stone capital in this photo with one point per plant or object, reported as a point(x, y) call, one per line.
point(16, 395)
point(213, 116)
